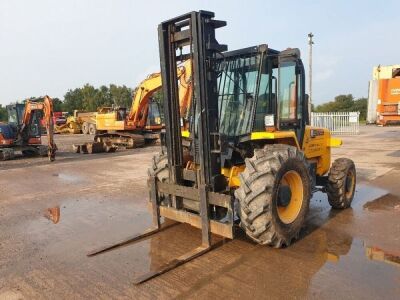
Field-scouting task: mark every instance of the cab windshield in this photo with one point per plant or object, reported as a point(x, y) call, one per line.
point(154, 115)
point(254, 87)
point(237, 84)
point(15, 113)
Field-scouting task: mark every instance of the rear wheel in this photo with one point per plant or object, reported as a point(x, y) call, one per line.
point(341, 183)
point(85, 128)
point(92, 129)
point(274, 195)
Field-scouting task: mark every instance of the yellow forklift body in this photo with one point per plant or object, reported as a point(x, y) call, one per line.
point(317, 144)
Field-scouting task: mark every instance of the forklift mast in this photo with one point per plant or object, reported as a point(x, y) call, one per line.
point(192, 36)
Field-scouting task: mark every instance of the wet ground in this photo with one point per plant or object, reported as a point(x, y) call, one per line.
point(51, 215)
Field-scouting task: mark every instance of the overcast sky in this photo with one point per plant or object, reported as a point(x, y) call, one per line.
point(48, 47)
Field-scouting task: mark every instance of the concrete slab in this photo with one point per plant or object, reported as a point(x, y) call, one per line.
point(52, 214)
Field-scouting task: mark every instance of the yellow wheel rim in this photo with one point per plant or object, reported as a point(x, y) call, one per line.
point(289, 213)
point(350, 182)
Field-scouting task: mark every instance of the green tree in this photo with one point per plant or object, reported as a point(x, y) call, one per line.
point(158, 96)
point(3, 114)
point(121, 95)
point(345, 103)
point(89, 97)
point(361, 105)
point(58, 104)
point(73, 99)
point(103, 97)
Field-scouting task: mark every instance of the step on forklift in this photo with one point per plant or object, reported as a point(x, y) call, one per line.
point(251, 160)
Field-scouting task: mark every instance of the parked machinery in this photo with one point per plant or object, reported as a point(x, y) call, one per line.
point(384, 96)
point(79, 122)
point(86, 121)
point(143, 122)
point(250, 160)
point(22, 132)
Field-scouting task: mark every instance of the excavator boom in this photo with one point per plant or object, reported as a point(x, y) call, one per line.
point(140, 105)
point(132, 130)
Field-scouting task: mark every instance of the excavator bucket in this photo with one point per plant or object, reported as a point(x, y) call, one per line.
point(189, 37)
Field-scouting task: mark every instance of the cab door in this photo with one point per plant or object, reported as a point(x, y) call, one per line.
point(291, 96)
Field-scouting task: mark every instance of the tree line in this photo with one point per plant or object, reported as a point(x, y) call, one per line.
point(345, 103)
point(89, 98)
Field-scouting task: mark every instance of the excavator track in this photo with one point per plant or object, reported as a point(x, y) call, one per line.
point(6, 153)
point(128, 140)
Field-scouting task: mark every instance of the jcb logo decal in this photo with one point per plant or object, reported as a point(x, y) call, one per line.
point(395, 91)
point(316, 132)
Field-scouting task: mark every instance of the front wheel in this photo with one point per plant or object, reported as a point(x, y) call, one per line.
point(274, 195)
point(341, 183)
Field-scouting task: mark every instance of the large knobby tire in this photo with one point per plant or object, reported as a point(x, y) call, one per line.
point(269, 214)
point(85, 128)
point(341, 183)
point(159, 169)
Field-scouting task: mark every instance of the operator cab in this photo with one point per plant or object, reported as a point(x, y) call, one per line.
point(15, 116)
point(121, 113)
point(154, 117)
point(261, 89)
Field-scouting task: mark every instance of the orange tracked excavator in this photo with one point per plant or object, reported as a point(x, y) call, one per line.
point(22, 132)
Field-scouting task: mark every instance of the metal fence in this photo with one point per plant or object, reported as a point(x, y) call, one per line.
point(338, 122)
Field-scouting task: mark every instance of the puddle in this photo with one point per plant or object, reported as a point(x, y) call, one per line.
point(388, 202)
point(326, 265)
point(335, 258)
point(68, 177)
point(364, 271)
point(320, 210)
point(366, 193)
point(377, 254)
point(394, 153)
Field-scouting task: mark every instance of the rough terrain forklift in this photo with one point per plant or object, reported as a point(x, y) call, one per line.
point(250, 160)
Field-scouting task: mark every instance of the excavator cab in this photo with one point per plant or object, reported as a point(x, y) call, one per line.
point(154, 116)
point(15, 120)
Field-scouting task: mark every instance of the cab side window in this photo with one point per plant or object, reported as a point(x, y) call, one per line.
point(287, 95)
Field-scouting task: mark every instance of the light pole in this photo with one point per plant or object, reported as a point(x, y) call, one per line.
point(310, 43)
